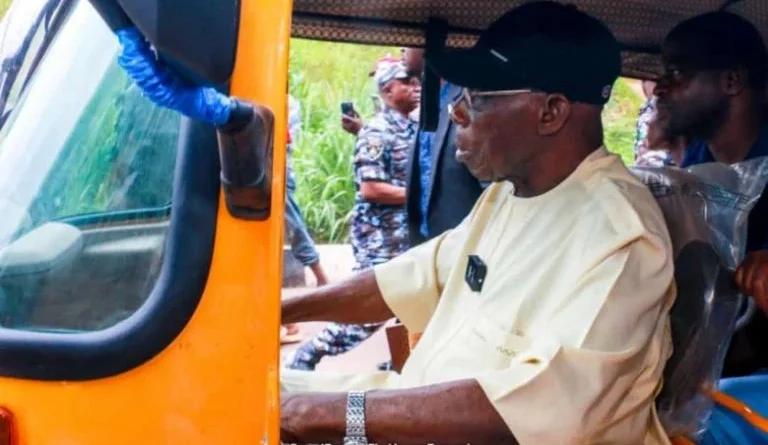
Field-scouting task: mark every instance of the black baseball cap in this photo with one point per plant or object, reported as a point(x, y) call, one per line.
point(718, 40)
point(542, 45)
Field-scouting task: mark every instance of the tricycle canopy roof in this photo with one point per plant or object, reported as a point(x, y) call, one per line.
point(640, 25)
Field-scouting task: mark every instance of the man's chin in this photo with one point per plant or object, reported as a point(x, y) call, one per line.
point(476, 167)
point(688, 133)
point(673, 130)
point(482, 174)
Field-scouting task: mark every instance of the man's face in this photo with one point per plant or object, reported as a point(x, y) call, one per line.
point(691, 103)
point(403, 94)
point(496, 136)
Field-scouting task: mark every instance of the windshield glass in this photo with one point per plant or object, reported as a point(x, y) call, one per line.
point(24, 32)
point(15, 24)
point(82, 139)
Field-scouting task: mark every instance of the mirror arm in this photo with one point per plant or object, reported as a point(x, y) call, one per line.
point(246, 146)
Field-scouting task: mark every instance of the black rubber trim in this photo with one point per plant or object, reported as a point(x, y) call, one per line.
point(182, 280)
point(118, 216)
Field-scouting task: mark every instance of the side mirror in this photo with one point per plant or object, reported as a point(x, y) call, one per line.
point(245, 149)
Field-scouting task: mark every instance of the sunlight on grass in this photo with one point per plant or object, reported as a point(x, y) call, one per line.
point(4, 5)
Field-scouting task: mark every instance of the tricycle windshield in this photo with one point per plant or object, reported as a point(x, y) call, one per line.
point(81, 137)
point(86, 178)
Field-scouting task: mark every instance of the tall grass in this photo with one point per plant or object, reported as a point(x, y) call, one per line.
point(324, 74)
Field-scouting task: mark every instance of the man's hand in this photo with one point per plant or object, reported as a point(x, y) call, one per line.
point(353, 124)
point(453, 413)
point(312, 418)
point(752, 277)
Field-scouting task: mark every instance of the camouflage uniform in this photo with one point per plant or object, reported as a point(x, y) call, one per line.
point(378, 232)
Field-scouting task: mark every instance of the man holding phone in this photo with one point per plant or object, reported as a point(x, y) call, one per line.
point(379, 229)
point(351, 121)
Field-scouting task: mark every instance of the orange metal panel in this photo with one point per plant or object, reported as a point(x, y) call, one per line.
point(218, 382)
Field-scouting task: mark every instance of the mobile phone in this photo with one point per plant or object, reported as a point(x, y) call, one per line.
point(348, 109)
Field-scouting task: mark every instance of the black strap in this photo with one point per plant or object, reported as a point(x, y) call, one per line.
point(436, 35)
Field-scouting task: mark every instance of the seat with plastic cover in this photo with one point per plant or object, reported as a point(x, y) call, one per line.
point(702, 320)
point(706, 208)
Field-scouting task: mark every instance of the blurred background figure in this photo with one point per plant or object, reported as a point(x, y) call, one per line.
point(302, 245)
point(651, 147)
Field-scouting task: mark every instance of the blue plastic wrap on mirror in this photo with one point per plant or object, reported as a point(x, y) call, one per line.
point(166, 89)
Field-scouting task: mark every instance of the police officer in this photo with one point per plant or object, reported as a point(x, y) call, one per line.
point(379, 229)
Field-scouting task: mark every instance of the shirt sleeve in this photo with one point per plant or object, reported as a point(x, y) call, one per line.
point(292, 380)
point(596, 362)
point(371, 159)
point(411, 283)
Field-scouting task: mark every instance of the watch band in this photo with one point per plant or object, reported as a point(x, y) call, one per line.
point(356, 419)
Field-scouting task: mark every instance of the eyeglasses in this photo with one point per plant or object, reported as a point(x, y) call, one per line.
point(462, 108)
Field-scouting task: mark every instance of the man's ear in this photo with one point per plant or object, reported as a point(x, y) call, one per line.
point(734, 81)
point(553, 114)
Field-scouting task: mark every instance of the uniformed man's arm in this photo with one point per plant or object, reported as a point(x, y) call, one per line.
point(372, 169)
point(382, 193)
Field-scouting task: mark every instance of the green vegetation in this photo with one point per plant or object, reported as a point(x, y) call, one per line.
point(78, 182)
point(322, 76)
point(620, 117)
point(4, 5)
point(325, 74)
point(119, 156)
